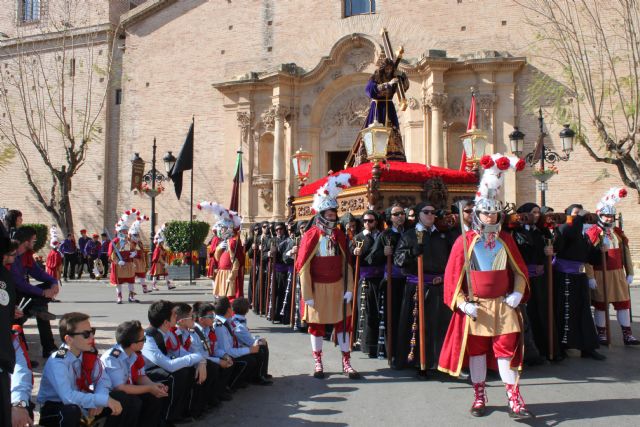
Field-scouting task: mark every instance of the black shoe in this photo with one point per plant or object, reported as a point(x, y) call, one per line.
point(264, 381)
point(268, 376)
point(45, 315)
point(318, 374)
point(592, 354)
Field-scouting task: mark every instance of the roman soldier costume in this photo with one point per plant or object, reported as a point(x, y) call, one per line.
point(54, 258)
point(619, 269)
point(485, 282)
point(159, 261)
point(140, 258)
point(212, 268)
point(322, 263)
point(229, 253)
point(121, 255)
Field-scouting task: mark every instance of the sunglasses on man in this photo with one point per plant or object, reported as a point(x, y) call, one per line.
point(369, 220)
point(397, 213)
point(84, 334)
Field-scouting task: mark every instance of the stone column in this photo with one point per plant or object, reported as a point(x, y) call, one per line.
point(279, 166)
point(437, 101)
point(246, 145)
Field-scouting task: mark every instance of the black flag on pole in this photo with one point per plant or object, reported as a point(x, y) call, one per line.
point(183, 163)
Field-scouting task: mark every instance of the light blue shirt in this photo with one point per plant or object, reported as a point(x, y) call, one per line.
point(58, 382)
point(198, 347)
point(21, 379)
point(173, 360)
point(242, 332)
point(224, 345)
point(117, 365)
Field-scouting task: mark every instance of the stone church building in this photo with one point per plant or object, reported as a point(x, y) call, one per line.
point(271, 76)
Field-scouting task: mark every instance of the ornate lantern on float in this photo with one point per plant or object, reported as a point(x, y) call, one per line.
point(301, 165)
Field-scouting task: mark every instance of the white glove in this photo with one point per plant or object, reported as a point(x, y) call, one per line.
point(223, 245)
point(121, 263)
point(593, 284)
point(629, 279)
point(348, 296)
point(393, 81)
point(513, 299)
point(133, 254)
point(469, 308)
point(309, 302)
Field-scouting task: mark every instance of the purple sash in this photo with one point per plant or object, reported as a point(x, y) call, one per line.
point(535, 270)
point(396, 272)
point(282, 268)
point(568, 266)
point(370, 271)
point(428, 278)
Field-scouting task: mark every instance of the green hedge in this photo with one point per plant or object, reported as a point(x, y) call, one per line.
point(177, 235)
point(42, 235)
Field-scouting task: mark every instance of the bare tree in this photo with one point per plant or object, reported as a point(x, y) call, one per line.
point(596, 46)
point(53, 85)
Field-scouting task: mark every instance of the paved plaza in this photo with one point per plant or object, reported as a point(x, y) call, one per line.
point(573, 392)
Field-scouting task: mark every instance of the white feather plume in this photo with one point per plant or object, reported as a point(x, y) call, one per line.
point(325, 197)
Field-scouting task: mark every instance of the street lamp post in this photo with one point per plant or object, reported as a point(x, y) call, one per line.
point(301, 161)
point(541, 154)
point(151, 179)
point(375, 138)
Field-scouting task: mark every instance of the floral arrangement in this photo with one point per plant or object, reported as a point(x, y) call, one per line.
point(150, 192)
point(545, 174)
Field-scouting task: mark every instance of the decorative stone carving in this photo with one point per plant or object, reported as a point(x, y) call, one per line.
point(264, 184)
point(349, 108)
point(486, 102)
point(244, 122)
point(352, 204)
point(436, 192)
point(268, 119)
point(359, 59)
point(436, 100)
point(318, 89)
point(336, 74)
point(404, 201)
point(414, 104)
point(457, 108)
point(306, 110)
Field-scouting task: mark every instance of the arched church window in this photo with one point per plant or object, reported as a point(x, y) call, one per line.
point(359, 7)
point(265, 154)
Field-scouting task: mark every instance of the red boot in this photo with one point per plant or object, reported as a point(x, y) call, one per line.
point(346, 366)
point(517, 408)
point(478, 408)
point(318, 370)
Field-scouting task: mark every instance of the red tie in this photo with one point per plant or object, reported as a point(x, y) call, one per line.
point(212, 341)
point(169, 342)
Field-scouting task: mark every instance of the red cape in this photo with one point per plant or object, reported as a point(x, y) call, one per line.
point(309, 242)
point(453, 355)
point(595, 231)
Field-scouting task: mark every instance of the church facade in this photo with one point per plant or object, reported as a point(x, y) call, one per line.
point(267, 77)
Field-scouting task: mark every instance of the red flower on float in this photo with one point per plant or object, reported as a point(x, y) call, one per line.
point(486, 161)
point(622, 193)
point(503, 163)
point(520, 165)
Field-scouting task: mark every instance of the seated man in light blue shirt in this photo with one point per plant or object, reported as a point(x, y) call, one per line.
point(203, 342)
point(74, 385)
point(240, 308)
point(245, 359)
point(167, 361)
point(124, 365)
point(21, 384)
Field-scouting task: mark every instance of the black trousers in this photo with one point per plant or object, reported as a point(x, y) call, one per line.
point(57, 414)
point(5, 399)
point(372, 289)
point(70, 261)
point(245, 369)
point(280, 284)
point(151, 410)
point(82, 261)
point(202, 394)
point(180, 384)
point(39, 304)
point(105, 265)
